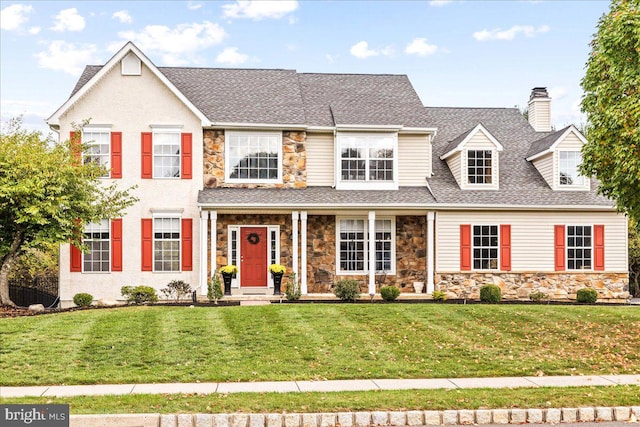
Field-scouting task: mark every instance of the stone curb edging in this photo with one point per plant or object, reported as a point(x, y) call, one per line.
point(364, 419)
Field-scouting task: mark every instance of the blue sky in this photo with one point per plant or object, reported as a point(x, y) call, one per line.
point(456, 53)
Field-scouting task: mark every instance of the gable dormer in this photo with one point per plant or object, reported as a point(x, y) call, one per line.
point(557, 157)
point(473, 159)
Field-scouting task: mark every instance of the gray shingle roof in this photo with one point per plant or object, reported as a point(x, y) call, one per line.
point(545, 143)
point(316, 196)
point(520, 182)
point(455, 141)
point(287, 97)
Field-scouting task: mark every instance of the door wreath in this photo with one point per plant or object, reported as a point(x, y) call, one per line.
point(253, 238)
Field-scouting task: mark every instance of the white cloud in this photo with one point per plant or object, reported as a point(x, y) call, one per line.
point(231, 56)
point(68, 57)
point(330, 58)
point(192, 5)
point(361, 50)
point(439, 3)
point(123, 16)
point(259, 9)
point(12, 17)
point(34, 30)
point(419, 46)
point(558, 92)
point(511, 33)
point(175, 45)
point(69, 20)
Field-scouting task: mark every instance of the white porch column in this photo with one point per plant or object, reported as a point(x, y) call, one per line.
point(372, 253)
point(214, 241)
point(295, 215)
point(204, 222)
point(303, 253)
point(431, 247)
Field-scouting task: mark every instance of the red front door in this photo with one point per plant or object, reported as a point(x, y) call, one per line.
point(253, 256)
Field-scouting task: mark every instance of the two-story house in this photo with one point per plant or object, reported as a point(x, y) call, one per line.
point(334, 176)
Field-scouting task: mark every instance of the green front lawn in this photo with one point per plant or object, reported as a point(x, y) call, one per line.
point(322, 341)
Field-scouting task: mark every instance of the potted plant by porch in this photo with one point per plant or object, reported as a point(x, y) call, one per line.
point(228, 271)
point(277, 271)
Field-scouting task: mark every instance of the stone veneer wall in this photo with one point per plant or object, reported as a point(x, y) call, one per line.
point(294, 162)
point(321, 255)
point(518, 286)
point(224, 220)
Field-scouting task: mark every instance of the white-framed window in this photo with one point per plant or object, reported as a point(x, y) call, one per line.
point(253, 157)
point(353, 245)
point(579, 247)
point(479, 167)
point(485, 247)
point(166, 244)
point(166, 153)
point(568, 169)
point(367, 160)
point(97, 237)
point(99, 148)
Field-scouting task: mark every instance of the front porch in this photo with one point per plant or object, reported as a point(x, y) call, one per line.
point(320, 247)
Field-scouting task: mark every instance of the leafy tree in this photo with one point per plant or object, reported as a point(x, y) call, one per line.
point(47, 195)
point(634, 259)
point(612, 103)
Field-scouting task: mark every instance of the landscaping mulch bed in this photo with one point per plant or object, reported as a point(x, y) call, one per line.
point(6, 311)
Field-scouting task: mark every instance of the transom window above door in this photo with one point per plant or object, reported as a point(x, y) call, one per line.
point(367, 160)
point(253, 157)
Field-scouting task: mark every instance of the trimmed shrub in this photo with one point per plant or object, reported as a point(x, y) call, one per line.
point(82, 299)
point(389, 293)
point(439, 295)
point(292, 288)
point(139, 294)
point(538, 296)
point(491, 294)
point(176, 289)
point(214, 289)
point(347, 290)
point(587, 295)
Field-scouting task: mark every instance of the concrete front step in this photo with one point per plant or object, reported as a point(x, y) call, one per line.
point(365, 418)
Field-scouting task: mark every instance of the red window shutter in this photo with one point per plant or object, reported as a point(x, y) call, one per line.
point(116, 244)
point(465, 247)
point(187, 244)
point(598, 247)
point(116, 155)
point(76, 147)
point(147, 244)
point(147, 155)
point(186, 156)
point(559, 245)
point(505, 247)
point(76, 259)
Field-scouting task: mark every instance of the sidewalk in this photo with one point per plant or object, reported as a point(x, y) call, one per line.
point(320, 386)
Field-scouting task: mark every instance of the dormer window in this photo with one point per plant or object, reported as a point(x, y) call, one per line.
point(568, 169)
point(367, 160)
point(479, 167)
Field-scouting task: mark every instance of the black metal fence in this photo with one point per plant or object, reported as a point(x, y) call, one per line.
point(38, 290)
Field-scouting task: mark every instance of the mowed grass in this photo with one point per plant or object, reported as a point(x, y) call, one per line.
point(568, 397)
point(323, 341)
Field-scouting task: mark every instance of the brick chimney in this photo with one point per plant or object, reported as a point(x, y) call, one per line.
point(540, 109)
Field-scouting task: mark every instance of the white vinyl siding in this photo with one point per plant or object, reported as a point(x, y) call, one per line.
point(570, 142)
point(454, 165)
point(414, 160)
point(320, 161)
point(532, 237)
point(545, 167)
point(540, 115)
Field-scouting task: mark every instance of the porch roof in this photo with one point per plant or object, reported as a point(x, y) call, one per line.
point(321, 197)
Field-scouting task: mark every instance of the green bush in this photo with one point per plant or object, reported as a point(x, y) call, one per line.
point(292, 288)
point(491, 294)
point(139, 294)
point(587, 295)
point(389, 293)
point(439, 295)
point(347, 290)
point(176, 289)
point(538, 296)
point(82, 299)
point(214, 289)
